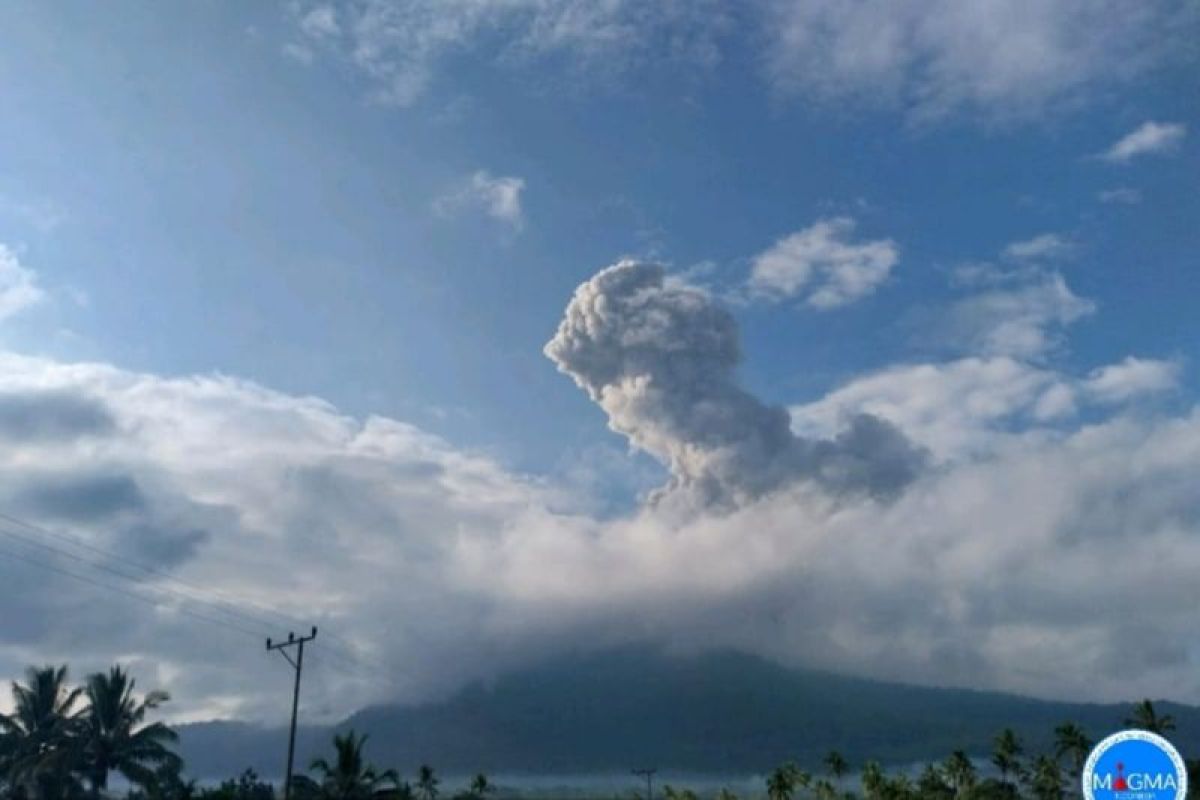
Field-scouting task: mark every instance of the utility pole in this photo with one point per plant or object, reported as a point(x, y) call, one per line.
point(648, 774)
point(297, 666)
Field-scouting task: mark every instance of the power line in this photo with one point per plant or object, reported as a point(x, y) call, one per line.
point(128, 593)
point(119, 574)
point(190, 593)
point(117, 557)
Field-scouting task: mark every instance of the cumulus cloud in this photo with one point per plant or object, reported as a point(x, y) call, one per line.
point(497, 197)
point(1045, 246)
point(1149, 137)
point(38, 414)
point(821, 265)
point(18, 284)
point(1023, 316)
point(1132, 377)
point(995, 572)
point(956, 410)
point(933, 57)
point(961, 409)
point(278, 501)
point(427, 565)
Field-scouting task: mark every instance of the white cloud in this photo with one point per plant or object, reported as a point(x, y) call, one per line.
point(1149, 137)
point(1045, 246)
point(270, 498)
point(1132, 377)
point(1125, 195)
point(299, 53)
point(823, 266)
point(1023, 317)
point(42, 215)
point(973, 406)
point(498, 197)
point(933, 57)
point(930, 57)
point(400, 45)
point(320, 22)
point(956, 409)
point(18, 284)
point(992, 569)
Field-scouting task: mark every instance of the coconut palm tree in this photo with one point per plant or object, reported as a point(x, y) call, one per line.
point(959, 772)
point(726, 794)
point(1071, 743)
point(1006, 754)
point(824, 790)
point(1045, 779)
point(873, 780)
point(836, 764)
point(933, 785)
point(350, 777)
point(427, 783)
point(899, 788)
point(1145, 717)
point(41, 742)
point(480, 786)
point(114, 736)
point(801, 780)
point(671, 793)
point(781, 783)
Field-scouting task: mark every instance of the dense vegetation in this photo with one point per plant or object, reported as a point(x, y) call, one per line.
point(64, 743)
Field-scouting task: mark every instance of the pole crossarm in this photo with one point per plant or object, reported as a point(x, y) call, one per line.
point(648, 774)
point(297, 667)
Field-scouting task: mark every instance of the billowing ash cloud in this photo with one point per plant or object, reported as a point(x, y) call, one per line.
point(659, 356)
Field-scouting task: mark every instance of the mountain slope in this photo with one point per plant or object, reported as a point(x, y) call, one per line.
point(717, 713)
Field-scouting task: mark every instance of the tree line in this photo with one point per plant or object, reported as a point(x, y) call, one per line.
point(64, 743)
point(1012, 773)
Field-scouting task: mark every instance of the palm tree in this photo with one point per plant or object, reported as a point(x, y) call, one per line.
point(1045, 779)
point(41, 743)
point(1006, 754)
point(932, 784)
point(1144, 717)
point(169, 784)
point(899, 788)
point(726, 794)
point(801, 780)
point(480, 786)
point(781, 783)
point(1072, 743)
point(427, 783)
point(350, 777)
point(960, 772)
point(825, 790)
point(671, 793)
point(114, 736)
point(837, 765)
point(873, 780)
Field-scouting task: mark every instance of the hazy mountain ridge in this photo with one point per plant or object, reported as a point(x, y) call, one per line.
point(714, 713)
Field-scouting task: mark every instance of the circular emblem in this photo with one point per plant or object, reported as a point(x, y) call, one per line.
point(1134, 765)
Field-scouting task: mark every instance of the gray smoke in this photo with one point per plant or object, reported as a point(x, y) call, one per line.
point(659, 358)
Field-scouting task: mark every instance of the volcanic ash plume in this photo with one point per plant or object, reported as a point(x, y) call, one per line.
point(659, 356)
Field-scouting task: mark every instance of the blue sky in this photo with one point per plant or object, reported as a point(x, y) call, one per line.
point(387, 205)
point(251, 214)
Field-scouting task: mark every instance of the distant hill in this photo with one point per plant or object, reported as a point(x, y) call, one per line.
point(723, 713)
